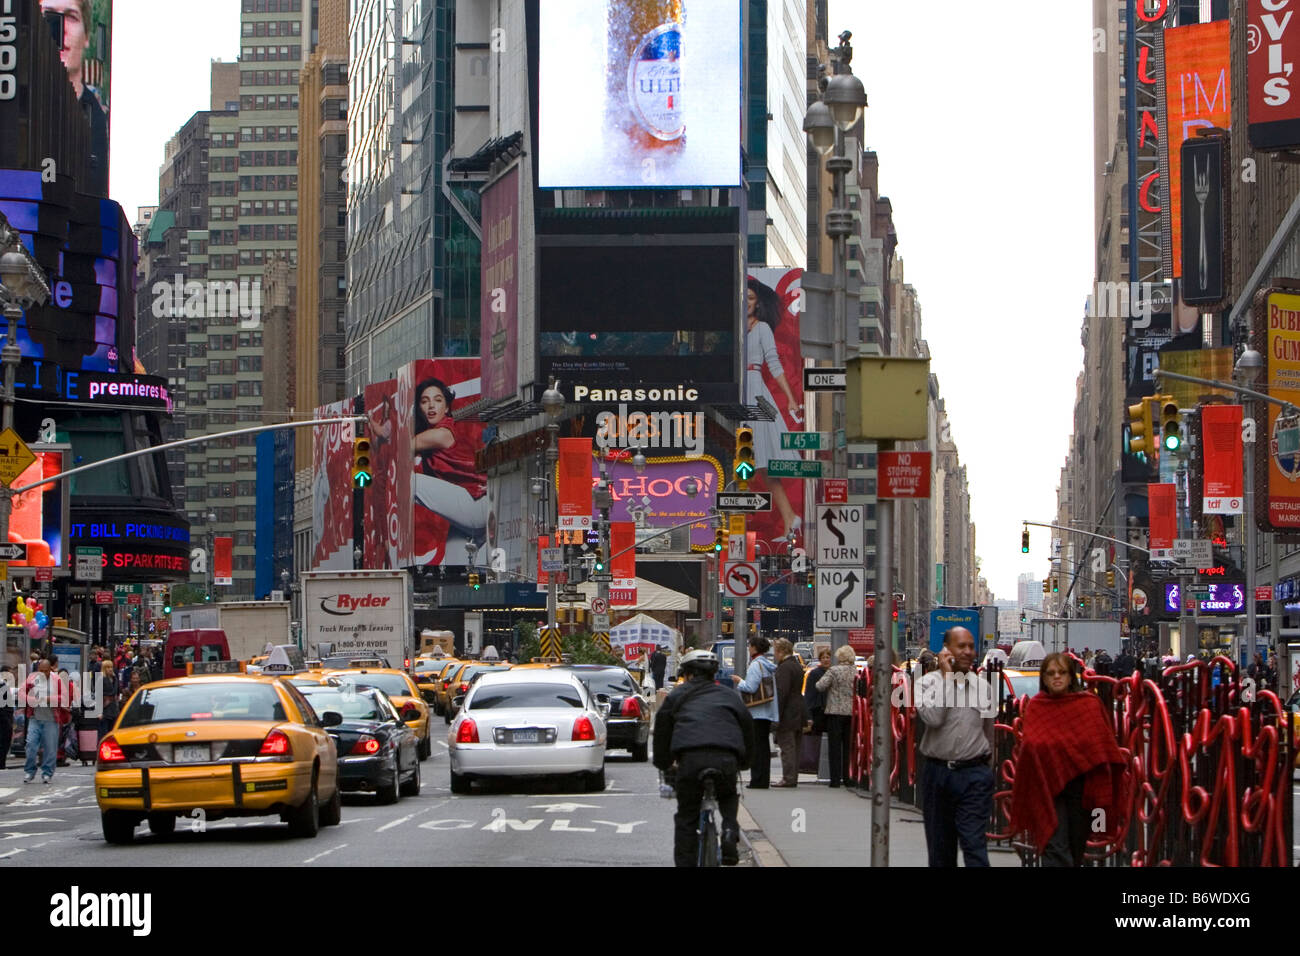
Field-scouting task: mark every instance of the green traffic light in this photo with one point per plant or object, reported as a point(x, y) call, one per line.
point(1172, 441)
point(744, 471)
point(362, 478)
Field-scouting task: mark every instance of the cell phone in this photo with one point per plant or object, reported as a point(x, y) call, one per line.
point(54, 20)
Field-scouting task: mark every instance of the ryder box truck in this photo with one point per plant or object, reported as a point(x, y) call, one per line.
point(364, 614)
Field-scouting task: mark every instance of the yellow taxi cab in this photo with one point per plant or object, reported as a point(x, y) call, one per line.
point(458, 684)
point(401, 690)
point(228, 744)
point(426, 672)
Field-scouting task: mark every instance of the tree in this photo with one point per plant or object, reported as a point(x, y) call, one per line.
point(580, 648)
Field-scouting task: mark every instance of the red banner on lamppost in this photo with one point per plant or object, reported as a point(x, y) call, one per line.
point(1221, 459)
point(1162, 503)
point(223, 561)
point(573, 481)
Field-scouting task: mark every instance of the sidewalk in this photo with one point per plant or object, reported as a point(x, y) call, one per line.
point(814, 825)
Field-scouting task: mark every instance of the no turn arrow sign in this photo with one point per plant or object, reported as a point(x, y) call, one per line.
point(840, 535)
point(840, 598)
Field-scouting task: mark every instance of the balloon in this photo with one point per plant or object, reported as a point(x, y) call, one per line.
point(33, 630)
point(42, 618)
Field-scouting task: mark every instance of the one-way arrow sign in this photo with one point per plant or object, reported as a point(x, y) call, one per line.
point(752, 501)
point(13, 552)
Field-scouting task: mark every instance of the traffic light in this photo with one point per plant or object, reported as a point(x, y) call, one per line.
point(599, 565)
point(362, 474)
point(1082, 601)
point(1024, 541)
point(1056, 585)
point(719, 540)
point(167, 601)
point(1024, 618)
point(744, 463)
point(474, 581)
point(810, 580)
point(1140, 428)
point(1047, 586)
point(1171, 431)
point(1110, 579)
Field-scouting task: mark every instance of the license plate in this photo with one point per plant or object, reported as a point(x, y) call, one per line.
point(525, 736)
point(191, 753)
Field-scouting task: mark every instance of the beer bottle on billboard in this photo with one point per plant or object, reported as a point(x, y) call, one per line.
point(644, 71)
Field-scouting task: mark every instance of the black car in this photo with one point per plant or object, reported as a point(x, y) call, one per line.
point(628, 723)
point(377, 751)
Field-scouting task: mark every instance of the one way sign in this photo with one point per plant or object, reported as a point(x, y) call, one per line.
point(841, 598)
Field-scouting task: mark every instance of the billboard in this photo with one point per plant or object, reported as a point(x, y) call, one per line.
point(331, 490)
point(661, 494)
point(640, 318)
point(1279, 326)
point(88, 252)
point(39, 518)
point(639, 94)
point(1225, 597)
point(1204, 221)
point(428, 502)
point(1272, 50)
point(774, 377)
point(83, 29)
point(1197, 94)
point(499, 302)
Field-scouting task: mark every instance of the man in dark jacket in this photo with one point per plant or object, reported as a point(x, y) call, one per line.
point(658, 665)
point(703, 726)
point(789, 701)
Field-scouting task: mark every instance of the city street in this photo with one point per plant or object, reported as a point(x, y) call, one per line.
point(520, 824)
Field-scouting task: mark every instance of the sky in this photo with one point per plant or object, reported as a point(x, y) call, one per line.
point(982, 117)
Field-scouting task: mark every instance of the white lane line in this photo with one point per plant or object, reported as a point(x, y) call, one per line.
point(18, 823)
point(11, 853)
point(326, 853)
point(398, 822)
point(444, 745)
point(5, 791)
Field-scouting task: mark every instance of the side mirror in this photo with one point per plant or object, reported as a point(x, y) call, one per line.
point(458, 702)
point(602, 704)
point(331, 718)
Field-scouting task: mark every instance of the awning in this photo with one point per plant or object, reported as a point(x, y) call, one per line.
point(649, 597)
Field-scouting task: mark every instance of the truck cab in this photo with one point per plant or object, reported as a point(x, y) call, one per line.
point(193, 645)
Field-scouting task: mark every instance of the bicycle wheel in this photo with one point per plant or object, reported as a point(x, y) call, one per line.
point(708, 840)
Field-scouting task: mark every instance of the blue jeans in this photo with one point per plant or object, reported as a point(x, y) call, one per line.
point(43, 735)
point(957, 805)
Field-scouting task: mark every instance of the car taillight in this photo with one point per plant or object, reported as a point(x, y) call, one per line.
point(410, 712)
point(110, 752)
point(464, 687)
point(582, 729)
point(631, 707)
point(365, 746)
point(468, 732)
point(276, 744)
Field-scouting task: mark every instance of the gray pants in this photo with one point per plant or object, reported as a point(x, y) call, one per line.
point(787, 741)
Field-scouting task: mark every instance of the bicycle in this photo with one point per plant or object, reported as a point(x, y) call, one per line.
point(709, 835)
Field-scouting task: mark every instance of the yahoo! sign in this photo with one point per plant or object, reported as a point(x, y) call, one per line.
point(662, 493)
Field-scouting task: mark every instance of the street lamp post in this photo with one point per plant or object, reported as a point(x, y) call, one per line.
point(553, 405)
point(21, 286)
point(1247, 371)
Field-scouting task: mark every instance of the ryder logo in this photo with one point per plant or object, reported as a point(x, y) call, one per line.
point(122, 910)
point(342, 605)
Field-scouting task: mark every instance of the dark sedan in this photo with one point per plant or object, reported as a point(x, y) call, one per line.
point(628, 723)
point(377, 751)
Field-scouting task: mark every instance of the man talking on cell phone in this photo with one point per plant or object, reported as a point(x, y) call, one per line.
point(956, 776)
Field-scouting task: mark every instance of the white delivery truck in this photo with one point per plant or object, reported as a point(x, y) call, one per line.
point(1063, 634)
point(249, 625)
point(359, 614)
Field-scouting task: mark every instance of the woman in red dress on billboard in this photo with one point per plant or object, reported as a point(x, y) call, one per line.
point(446, 481)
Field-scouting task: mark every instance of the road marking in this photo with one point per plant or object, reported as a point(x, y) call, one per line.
point(620, 827)
point(357, 820)
point(11, 853)
point(441, 824)
point(312, 859)
point(395, 823)
point(18, 823)
point(5, 791)
point(563, 807)
point(443, 744)
point(562, 826)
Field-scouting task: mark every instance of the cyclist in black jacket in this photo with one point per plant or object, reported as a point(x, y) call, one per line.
point(702, 725)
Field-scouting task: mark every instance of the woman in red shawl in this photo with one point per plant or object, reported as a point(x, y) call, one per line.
point(1069, 767)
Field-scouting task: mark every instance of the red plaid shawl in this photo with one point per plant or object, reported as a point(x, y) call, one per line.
point(1061, 738)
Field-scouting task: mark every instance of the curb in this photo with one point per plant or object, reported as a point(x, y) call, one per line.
point(764, 853)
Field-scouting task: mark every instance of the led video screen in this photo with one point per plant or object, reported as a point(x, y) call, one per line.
point(639, 94)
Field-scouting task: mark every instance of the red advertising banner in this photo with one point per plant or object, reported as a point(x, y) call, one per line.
point(499, 309)
point(1162, 503)
point(1198, 88)
point(1282, 373)
point(543, 578)
point(223, 561)
point(573, 479)
point(331, 523)
point(622, 535)
point(1272, 50)
point(622, 597)
point(382, 522)
point(904, 474)
point(1221, 458)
